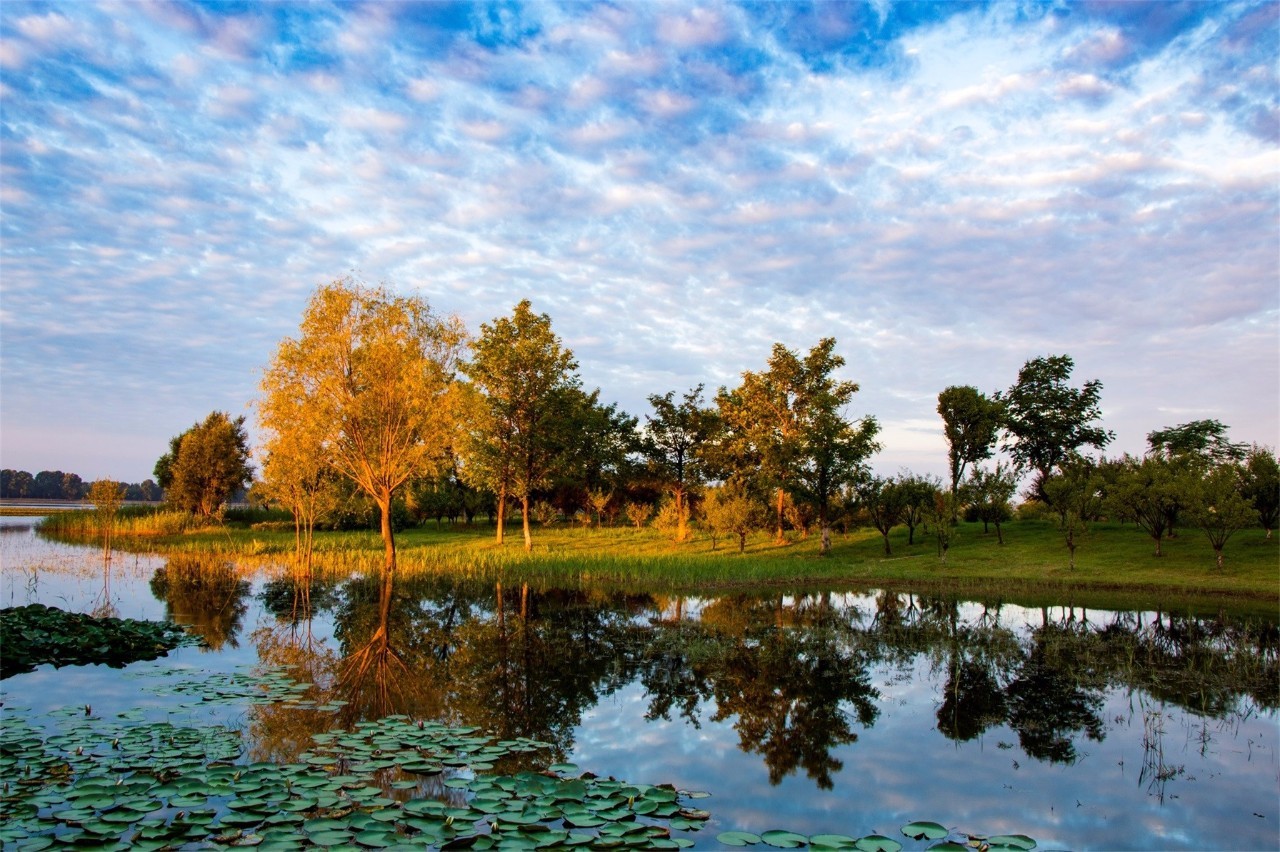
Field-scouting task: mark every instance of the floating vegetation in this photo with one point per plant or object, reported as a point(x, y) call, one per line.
point(394, 782)
point(35, 634)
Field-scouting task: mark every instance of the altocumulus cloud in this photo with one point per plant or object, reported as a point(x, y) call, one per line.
point(948, 189)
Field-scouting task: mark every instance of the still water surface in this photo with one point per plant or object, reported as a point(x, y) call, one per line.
point(848, 713)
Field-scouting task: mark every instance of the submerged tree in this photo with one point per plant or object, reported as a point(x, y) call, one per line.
point(206, 465)
point(371, 377)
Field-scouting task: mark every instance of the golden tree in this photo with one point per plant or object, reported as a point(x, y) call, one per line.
point(371, 382)
point(106, 495)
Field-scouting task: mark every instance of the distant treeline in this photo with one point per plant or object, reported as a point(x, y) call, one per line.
point(56, 485)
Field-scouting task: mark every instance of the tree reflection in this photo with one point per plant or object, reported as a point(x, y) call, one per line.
point(205, 593)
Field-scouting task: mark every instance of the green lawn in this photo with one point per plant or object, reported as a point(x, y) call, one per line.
point(1115, 565)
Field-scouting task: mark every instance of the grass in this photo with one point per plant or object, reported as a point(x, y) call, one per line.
point(1115, 565)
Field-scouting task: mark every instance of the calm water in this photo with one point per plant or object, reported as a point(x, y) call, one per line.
point(848, 713)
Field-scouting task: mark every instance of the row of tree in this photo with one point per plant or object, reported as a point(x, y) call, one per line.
point(56, 485)
point(379, 395)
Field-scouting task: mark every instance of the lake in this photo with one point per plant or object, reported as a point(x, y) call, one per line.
point(845, 712)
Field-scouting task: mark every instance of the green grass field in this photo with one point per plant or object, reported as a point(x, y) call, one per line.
point(1115, 565)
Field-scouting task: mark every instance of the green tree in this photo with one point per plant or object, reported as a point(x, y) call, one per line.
point(789, 421)
point(730, 510)
point(206, 465)
point(991, 490)
point(1216, 507)
point(1075, 493)
point(1261, 485)
point(1148, 492)
point(1047, 420)
point(676, 437)
point(917, 498)
point(880, 501)
point(1204, 438)
point(521, 434)
point(372, 377)
point(971, 423)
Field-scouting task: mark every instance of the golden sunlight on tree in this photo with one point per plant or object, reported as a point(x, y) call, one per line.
point(369, 383)
point(106, 495)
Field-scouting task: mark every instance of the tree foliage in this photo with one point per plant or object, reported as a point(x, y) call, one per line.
point(1216, 506)
point(1260, 485)
point(521, 431)
point(971, 424)
point(675, 442)
point(371, 381)
point(1047, 420)
point(788, 422)
point(1149, 492)
point(731, 510)
point(1206, 439)
point(206, 464)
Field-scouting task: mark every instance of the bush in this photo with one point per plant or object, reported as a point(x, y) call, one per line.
point(1035, 510)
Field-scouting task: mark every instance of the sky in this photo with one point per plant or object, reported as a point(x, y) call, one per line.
point(947, 189)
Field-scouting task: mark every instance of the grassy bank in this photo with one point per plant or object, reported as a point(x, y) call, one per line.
point(1113, 561)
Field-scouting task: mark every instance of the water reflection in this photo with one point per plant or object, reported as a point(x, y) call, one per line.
point(792, 675)
point(206, 593)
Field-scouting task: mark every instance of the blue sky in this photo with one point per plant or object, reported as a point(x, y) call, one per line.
point(948, 189)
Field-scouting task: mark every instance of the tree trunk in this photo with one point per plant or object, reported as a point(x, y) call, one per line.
point(780, 538)
point(742, 542)
point(885, 535)
point(682, 522)
point(502, 510)
point(524, 512)
point(826, 539)
point(388, 537)
point(1219, 550)
point(999, 535)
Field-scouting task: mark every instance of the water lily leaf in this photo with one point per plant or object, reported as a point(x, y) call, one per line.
point(737, 838)
point(832, 841)
point(1012, 841)
point(923, 830)
point(877, 843)
point(784, 839)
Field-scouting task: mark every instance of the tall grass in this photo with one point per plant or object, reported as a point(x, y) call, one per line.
point(130, 521)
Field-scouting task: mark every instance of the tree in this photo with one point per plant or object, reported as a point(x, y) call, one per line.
point(1075, 492)
point(206, 465)
point(1204, 438)
point(881, 502)
point(372, 377)
point(917, 498)
point(1148, 492)
point(991, 491)
point(106, 496)
point(971, 423)
point(520, 435)
point(789, 420)
point(731, 510)
point(1261, 485)
point(675, 438)
point(1216, 506)
point(16, 483)
point(1047, 420)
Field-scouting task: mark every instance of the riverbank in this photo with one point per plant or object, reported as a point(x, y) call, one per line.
point(1114, 563)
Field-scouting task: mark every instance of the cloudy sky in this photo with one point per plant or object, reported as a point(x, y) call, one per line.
point(948, 189)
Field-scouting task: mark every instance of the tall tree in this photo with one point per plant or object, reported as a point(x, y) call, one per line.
point(520, 434)
point(372, 374)
point(675, 438)
point(206, 464)
point(971, 423)
point(880, 501)
point(1047, 420)
point(789, 421)
point(1204, 438)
